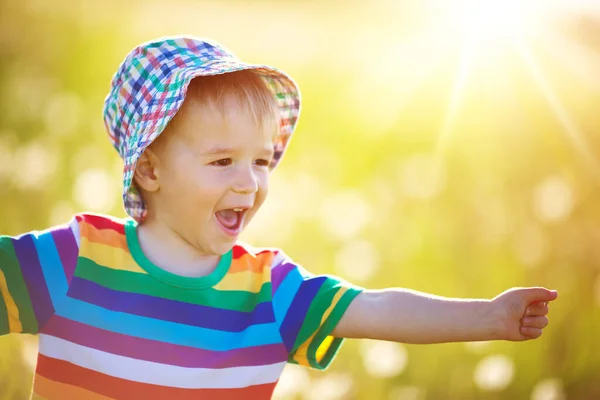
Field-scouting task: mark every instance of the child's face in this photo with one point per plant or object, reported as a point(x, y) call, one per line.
point(213, 174)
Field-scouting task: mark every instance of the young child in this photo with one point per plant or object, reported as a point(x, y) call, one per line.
point(168, 304)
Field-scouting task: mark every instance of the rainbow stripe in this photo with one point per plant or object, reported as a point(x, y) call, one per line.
point(114, 326)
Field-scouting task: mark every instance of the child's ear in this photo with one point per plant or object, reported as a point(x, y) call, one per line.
point(146, 171)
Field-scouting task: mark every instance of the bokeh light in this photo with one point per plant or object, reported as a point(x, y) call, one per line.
point(335, 386)
point(33, 165)
point(422, 177)
point(345, 214)
point(63, 113)
point(293, 380)
point(96, 191)
point(548, 389)
point(553, 199)
point(494, 372)
point(407, 392)
point(383, 359)
point(357, 261)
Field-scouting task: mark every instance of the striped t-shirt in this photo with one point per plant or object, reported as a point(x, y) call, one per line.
point(112, 325)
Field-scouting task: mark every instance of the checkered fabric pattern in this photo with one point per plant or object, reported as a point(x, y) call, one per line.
point(150, 86)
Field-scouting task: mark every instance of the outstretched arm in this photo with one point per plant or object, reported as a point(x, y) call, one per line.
point(409, 316)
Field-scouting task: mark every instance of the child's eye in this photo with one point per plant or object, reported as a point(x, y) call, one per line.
point(263, 163)
point(224, 162)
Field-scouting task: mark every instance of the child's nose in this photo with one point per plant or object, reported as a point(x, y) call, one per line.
point(246, 181)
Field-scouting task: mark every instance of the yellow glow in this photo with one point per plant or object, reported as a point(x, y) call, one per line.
point(495, 39)
point(493, 18)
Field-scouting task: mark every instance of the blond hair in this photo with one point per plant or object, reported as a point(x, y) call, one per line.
point(247, 87)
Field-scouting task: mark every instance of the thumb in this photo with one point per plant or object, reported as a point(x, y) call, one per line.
point(536, 294)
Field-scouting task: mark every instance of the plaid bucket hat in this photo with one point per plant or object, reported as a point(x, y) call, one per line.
point(149, 88)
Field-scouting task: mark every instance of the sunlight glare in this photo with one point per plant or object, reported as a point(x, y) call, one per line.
point(491, 19)
point(456, 96)
point(573, 134)
point(580, 60)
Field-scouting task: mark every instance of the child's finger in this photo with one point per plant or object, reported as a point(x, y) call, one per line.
point(537, 309)
point(535, 294)
point(535, 322)
point(531, 333)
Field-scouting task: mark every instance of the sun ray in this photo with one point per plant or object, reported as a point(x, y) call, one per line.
point(571, 130)
point(582, 62)
point(424, 67)
point(456, 95)
point(399, 72)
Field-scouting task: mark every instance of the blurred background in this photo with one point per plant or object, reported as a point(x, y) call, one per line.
point(447, 146)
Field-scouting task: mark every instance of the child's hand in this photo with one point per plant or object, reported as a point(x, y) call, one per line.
point(523, 312)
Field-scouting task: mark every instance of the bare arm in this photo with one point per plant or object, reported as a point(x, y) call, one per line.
point(409, 316)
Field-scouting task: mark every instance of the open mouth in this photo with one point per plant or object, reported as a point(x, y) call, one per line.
point(231, 219)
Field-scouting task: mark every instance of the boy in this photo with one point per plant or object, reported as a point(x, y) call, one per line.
point(167, 303)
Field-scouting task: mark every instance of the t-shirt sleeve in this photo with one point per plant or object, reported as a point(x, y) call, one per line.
point(308, 307)
point(35, 269)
